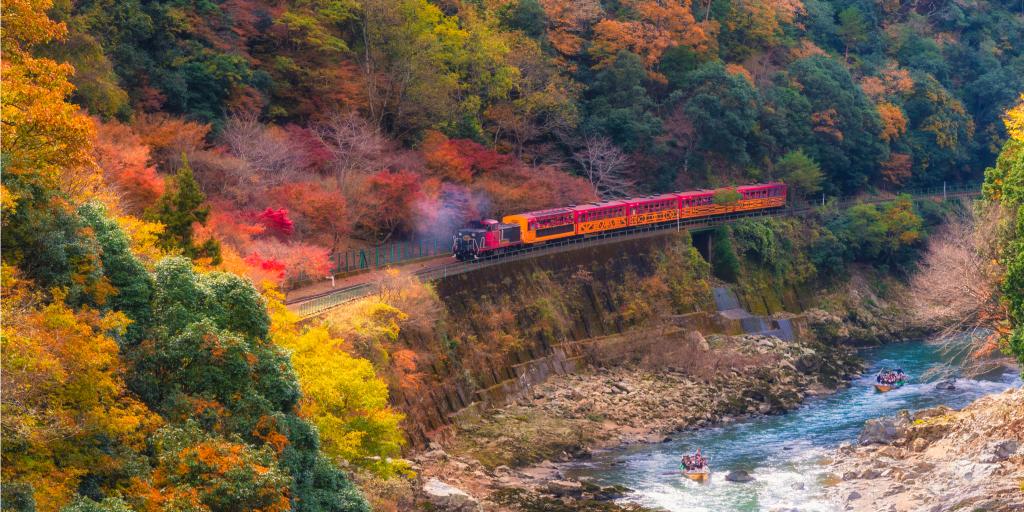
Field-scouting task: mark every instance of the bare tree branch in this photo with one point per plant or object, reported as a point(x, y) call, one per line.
point(956, 290)
point(605, 165)
point(355, 144)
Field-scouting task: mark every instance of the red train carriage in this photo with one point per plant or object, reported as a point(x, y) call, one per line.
point(598, 217)
point(489, 236)
point(654, 209)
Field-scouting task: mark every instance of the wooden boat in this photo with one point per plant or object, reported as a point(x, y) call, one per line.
point(882, 388)
point(698, 475)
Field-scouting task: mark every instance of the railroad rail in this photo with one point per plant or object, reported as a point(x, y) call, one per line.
point(311, 306)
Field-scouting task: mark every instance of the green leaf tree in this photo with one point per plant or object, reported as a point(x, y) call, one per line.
point(178, 209)
point(800, 172)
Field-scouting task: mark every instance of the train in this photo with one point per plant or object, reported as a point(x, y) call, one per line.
point(489, 237)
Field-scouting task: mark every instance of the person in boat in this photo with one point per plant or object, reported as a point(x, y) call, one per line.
point(693, 462)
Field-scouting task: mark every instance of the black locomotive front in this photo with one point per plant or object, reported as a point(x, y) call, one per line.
point(468, 242)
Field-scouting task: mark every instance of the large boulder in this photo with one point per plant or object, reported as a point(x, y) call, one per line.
point(448, 498)
point(739, 475)
point(564, 488)
point(884, 430)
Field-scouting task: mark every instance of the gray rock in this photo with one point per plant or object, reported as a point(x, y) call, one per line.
point(739, 476)
point(448, 498)
point(798, 486)
point(870, 474)
point(890, 451)
point(946, 385)
point(564, 488)
point(625, 388)
point(853, 496)
point(998, 451)
point(884, 430)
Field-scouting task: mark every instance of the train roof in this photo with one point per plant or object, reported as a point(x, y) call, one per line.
point(604, 204)
point(600, 205)
point(545, 213)
point(658, 197)
point(757, 186)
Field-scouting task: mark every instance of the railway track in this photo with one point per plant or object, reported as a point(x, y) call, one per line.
point(314, 305)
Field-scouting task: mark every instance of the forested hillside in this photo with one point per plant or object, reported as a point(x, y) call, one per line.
point(168, 165)
point(322, 124)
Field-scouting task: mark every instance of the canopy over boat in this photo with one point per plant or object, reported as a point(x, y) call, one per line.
point(889, 379)
point(695, 466)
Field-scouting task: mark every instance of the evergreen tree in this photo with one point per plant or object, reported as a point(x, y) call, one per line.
point(853, 29)
point(178, 209)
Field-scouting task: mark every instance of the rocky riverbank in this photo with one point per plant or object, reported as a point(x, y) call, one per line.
point(507, 458)
point(937, 459)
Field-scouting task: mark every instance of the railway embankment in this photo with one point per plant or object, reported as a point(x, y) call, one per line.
point(507, 457)
point(503, 374)
point(503, 332)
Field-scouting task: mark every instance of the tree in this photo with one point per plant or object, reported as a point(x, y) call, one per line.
point(355, 145)
point(341, 394)
point(1004, 189)
point(619, 106)
point(390, 210)
point(894, 123)
point(605, 166)
point(319, 209)
point(957, 289)
point(853, 29)
point(940, 132)
point(272, 157)
point(846, 127)
point(132, 284)
point(526, 15)
point(211, 360)
point(198, 470)
point(661, 25)
point(568, 23)
point(69, 422)
point(723, 109)
point(127, 165)
point(800, 172)
point(178, 209)
point(47, 140)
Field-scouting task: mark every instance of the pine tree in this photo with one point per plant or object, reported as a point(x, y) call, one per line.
point(180, 207)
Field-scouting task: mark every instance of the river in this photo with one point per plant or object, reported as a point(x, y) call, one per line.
point(783, 453)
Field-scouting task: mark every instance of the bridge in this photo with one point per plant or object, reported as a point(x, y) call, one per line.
point(316, 304)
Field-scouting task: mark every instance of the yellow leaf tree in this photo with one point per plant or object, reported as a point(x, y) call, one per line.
point(47, 141)
point(342, 395)
point(64, 404)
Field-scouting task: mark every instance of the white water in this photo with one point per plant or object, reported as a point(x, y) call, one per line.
point(783, 453)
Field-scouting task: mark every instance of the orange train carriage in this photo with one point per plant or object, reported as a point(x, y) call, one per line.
point(486, 237)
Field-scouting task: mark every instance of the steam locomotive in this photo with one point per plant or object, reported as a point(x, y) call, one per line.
point(487, 237)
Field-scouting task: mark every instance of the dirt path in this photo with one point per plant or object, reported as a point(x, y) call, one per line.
point(315, 289)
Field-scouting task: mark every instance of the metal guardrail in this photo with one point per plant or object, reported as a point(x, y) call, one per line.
point(318, 304)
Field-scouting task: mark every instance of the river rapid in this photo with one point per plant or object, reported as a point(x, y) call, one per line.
point(783, 453)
